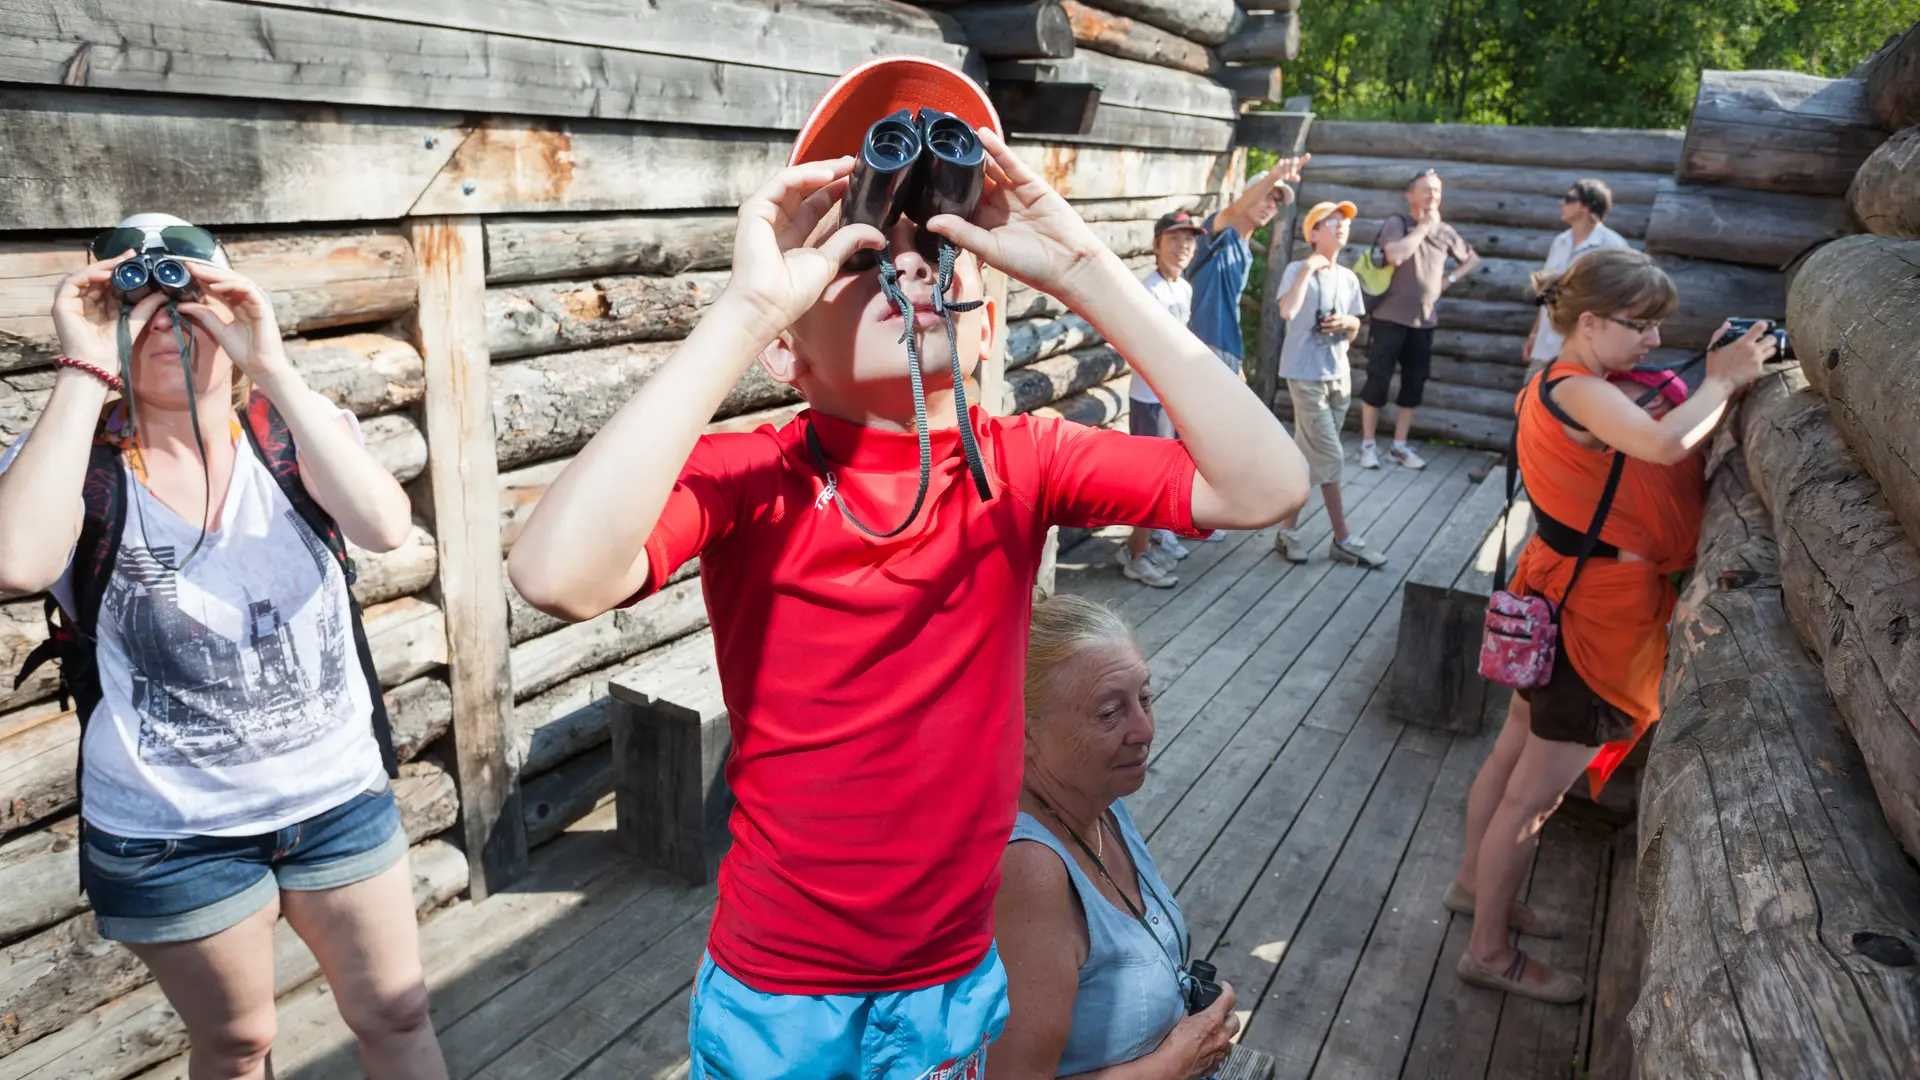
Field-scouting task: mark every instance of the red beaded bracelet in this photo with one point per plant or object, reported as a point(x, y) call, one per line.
point(112, 381)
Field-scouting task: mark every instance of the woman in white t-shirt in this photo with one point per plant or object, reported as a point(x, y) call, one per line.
point(192, 536)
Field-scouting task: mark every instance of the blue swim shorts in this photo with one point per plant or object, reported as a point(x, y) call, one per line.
point(935, 1033)
point(152, 891)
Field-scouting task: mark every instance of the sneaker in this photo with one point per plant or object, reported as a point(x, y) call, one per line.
point(1291, 545)
point(1147, 572)
point(1169, 544)
point(1346, 551)
point(1369, 457)
point(1404, 455)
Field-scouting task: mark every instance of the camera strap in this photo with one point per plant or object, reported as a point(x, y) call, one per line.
point(890, 288)
point(183, 343)
point(1145, 888)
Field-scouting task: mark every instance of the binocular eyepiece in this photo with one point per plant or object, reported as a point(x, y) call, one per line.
point(1201, 991)
point(155, 269)
point(921, 164)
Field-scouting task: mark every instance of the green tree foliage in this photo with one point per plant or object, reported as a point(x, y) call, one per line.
point(1602, 63)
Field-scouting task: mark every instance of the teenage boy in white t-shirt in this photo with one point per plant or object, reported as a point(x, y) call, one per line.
point(1320, 299)
point(1149, 555)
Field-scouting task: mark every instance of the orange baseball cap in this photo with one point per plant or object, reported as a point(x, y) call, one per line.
point(881, 87)
point(1323, 211)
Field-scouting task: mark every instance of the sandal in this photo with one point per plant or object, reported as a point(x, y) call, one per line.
point(1561, 988)
point(1460, 902)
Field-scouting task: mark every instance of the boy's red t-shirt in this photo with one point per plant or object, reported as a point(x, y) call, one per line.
point(874, 686)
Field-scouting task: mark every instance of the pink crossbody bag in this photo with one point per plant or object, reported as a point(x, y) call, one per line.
point(1523, 632)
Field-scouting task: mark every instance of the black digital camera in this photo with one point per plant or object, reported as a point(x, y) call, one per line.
point(1201, 989)
point(919, 163)
point(1737, 329)
point(155, 268)
point(1319, 319)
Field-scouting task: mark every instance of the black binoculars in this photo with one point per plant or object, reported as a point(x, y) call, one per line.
point(155, 269)
point(1737, 329)
point(1201, 989)
point(921, 164)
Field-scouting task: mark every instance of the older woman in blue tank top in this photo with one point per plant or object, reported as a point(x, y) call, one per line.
point(1092, 940)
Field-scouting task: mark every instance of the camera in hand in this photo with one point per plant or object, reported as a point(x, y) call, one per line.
point(153, 269)
point(1202, 990)
point(1320, 318)
point(1737, 329)
point(920, 163)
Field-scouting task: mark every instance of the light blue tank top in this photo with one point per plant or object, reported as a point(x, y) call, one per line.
point(1129, 995)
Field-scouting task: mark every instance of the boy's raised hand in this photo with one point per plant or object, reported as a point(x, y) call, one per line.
point(1023, 226)
point(776, 275)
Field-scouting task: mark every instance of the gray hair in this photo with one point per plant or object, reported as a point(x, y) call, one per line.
point(1064, 627)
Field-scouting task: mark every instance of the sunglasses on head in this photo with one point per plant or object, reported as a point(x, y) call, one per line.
point(185, 241)
point(1422, 175)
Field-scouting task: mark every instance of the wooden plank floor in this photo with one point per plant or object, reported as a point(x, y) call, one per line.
point(1308, 835)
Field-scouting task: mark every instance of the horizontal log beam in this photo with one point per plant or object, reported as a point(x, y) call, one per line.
point(39, 746)
point(1487, 316)
point(1036, 339)
point(1757, 228)
point(1392, 174)
point(408, 638)
point(1099, 172)
point(1206, 21)
point(365, 374)
point(390, 575)
point(1709, 293)
point(1565, 148)
point(1893, 81)
point(1046, 109)
point(1037, 30)
point(1855, 317)
point(290, 163)
point(1130, 39)
point(577, 246)
point(523, 319)
point(1273, 37)
point(419, 711)
point(1046, 381)
point(1885, 193)
point(39, 876)
point(1779, 912)
point(1778, 131)
point(571, 718)
point(1850, 578)
point(1098, 406)
point(558, 798)
point(1250, 84)
point(1126, 83)
point(316, 280)
point(395, 441)
point(545, 662)
point(1475, 207)
point(1279, 132)
point(1502, 241)
point(1150, 129)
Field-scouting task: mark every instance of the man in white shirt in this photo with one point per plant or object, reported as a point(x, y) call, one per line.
point(1584, 208)
point(1148, 557)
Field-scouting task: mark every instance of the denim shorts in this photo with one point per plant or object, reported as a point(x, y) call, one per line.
point(148, 892)
point(934, 1033)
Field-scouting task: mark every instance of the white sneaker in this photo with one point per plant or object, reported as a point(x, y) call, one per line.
point(1369, 458)
point(1291, 546)
point(1348, 551)
point(1169, 544)
point(1147, 572)
point(1405, 456)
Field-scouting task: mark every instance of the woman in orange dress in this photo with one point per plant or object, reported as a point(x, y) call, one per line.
point(1604, 690)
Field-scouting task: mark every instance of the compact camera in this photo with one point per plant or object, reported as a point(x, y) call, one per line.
point(152, 269)
point(920, 163)
point(1737, 329)
point(1201, 989)
point(1320, 317)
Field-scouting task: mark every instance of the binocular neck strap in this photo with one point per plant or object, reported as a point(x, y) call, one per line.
point(183, 343)
point(946, 308)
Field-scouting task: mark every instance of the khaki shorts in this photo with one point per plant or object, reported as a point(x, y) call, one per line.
point(1319, 411)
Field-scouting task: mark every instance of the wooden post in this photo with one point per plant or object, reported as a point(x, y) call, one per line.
point(451, 333)
point(671, 799)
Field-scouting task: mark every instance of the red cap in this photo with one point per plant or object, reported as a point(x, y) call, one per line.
point(881, 87)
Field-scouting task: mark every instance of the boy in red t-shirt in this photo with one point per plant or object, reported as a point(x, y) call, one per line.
point(873, 682)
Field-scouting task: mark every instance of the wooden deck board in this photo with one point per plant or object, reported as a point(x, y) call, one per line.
point(1307, 834)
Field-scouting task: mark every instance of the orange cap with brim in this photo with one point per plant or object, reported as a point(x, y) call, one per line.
point(1323, 211)
point(880, 87)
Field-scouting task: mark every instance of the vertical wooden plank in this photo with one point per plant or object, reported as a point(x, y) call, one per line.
point(451, 333)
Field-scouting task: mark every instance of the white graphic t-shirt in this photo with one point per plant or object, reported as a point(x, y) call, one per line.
point(233, 701)
point(1177, 297)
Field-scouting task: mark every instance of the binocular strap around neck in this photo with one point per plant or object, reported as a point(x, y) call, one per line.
point(183, 342)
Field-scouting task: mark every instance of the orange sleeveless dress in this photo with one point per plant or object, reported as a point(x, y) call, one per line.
point(1614, 628)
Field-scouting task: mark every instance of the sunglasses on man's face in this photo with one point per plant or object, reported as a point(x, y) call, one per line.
point(185, 241)
point(1569, 197)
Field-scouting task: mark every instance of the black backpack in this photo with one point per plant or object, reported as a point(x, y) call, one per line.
point(104, 493)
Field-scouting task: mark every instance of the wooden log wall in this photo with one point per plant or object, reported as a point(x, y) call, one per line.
point(1782, 918)
point(555, 220)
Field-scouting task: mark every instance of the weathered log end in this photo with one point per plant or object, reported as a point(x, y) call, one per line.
point(1885, 193)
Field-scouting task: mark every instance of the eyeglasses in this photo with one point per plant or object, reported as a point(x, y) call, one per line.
point(186, 241)
point(1570, 197)
point(1636, 327)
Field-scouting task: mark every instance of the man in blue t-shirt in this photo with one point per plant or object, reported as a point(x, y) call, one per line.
point(1219, 272)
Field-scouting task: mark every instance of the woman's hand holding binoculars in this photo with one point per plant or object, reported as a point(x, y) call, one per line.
point(252, 337)
point(776, 275)
point(86, 314)
point(1025, 228)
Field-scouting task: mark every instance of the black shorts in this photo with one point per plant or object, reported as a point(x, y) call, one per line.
point(1390, 345)
point(1568, 710)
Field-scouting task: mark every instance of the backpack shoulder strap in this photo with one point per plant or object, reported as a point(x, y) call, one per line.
point(270, 437)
